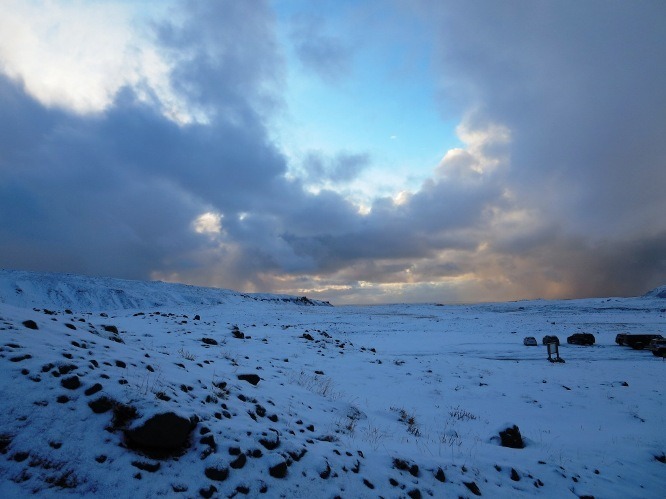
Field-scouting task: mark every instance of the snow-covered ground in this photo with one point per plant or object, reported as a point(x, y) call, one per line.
point(391, 401)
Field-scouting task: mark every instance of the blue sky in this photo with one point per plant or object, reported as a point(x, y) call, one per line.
point(360, 152)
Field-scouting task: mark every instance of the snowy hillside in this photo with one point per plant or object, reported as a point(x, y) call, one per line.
point(69, 291)
point(131, 389)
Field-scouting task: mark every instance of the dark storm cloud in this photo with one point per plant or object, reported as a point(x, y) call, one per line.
point(579, 86)
point(117, 193)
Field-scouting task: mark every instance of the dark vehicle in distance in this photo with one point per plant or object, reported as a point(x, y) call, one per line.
point(619, 339)
point(581, 339)
point(550, 339)
point(658, 347)
point(638, 341)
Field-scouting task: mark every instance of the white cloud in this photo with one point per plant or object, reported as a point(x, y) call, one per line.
point(208, 223)
point(77, 55)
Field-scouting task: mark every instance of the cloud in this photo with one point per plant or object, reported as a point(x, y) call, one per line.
point(556, 189)
point(326, 55)
point(341, 168)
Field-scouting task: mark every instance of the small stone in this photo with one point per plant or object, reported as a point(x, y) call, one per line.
point(253, 379)
point(93, 389)
point(217, 474)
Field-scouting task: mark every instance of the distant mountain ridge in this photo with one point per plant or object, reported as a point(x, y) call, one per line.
point(70, 291)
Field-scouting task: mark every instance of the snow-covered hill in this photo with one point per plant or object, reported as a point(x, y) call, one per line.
point(69, 291)
point(131, 389)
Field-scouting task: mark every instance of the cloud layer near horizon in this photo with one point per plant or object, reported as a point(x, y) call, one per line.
point(557, 192)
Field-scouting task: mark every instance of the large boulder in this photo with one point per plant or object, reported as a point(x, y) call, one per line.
point(163, 433)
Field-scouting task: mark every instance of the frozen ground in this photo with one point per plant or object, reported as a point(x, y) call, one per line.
point(391, 401)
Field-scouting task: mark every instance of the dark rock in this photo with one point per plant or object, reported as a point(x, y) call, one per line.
point(101, 405)
point(473, 488)
point(208, 493)
point(19, 457)
point(62, 399)
point(197, 317)
point(279, 470)
point(253, 379)
point(209, 341)
point(209, 440)
point(71, 383)
point(149, 467)
point(326, 473)
point(514, 475)
point(121, 364)
point(217, 474)
point(400, 464)
point(66, 368)
point(165, 432)
point(5, 441)
point(368, 483)
point(239, 462)
point(101, 459)
point(30, 324)
point(93, 389)
point(414, 494)
point(110, 329)
point(440, 475)
point(270, 444)
point(307, 337)
point(512, 438)
point(20, 358)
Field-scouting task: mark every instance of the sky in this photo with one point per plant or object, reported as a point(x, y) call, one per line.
point(366, 151)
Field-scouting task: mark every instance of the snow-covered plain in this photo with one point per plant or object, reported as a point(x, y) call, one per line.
point(353, 401)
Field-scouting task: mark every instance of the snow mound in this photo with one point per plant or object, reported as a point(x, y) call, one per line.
point(68, 291)
point(659, 292)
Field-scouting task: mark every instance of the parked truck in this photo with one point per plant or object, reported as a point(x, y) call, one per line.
point(636, 341)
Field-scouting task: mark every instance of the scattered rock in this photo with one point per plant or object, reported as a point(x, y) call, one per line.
point(239, 462)
point(473, 488)
point(253, 379)
point(163, 432)
point(93, 389)
point(101, 405)
point(414, 494)
point(279, 470)
point(149, 467)
point(209, 341)
point(208, 493)
point(219, 474)
point(512, 438)
point(440, 475)
point(402, 465)
point(514, 475)
point(30, 324)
